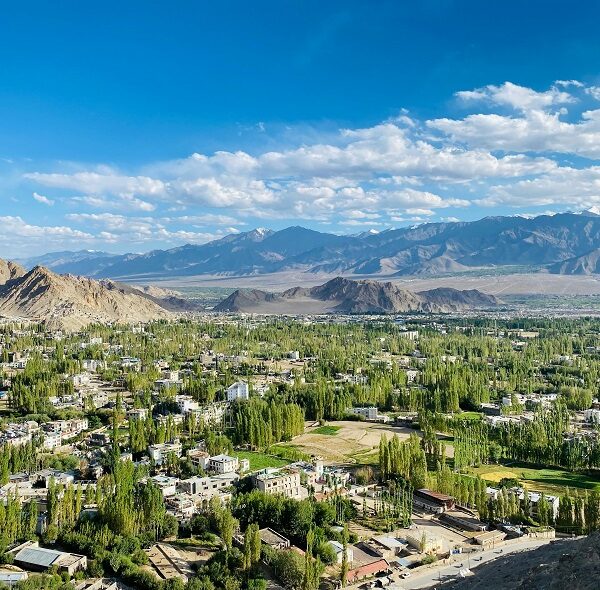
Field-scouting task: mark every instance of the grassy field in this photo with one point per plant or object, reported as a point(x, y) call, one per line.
point(328, 430)
point(260, 460)
point(470, 415)
point(552, 481)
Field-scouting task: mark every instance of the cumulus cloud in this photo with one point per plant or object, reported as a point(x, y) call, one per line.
point(115, 228)
point(42, 199)
point(540, 123)
point(311, 181)
point(22, 238)
point(519, 97)
point(578, 188)
point(537, 131)
point(510, 149)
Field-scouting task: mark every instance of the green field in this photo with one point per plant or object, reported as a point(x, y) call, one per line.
point(551, 481)
point(328, 430)
point(369, 457)
point(260, 460)
point(470, 415)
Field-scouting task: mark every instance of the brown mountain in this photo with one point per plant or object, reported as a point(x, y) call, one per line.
point(70, 302)
point(586, 264)
point(342, 295)
point(10, 270)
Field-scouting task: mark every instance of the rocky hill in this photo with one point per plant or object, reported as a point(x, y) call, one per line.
point(586, 264)
point(563, 564)
point(10, 270)
point(341, 295)
point(70, 302)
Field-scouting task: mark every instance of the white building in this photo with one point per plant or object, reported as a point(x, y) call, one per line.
point(80, 379)
point(223, 464)
point(370, 413)
point(279, 481)
point(207, 487)
point(339, 552)
point(212, 414)
point(159, 452)
point(186, 403)
point(239, 390)
point(52, 440)
point(93, 365)
point(137, 414)
point(167, 485)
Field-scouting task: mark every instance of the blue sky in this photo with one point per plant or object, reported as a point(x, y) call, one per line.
point(137, 125)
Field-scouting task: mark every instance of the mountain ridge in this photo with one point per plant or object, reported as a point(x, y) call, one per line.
point(545, 242)
point(342, 295)
point(70, 302)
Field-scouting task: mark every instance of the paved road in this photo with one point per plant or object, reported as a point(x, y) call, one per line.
point(445, 572)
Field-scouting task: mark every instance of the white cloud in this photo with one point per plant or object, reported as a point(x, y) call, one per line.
point(117, 228)
point(518, 97)
point(536, 132)
point(42, 199)
point(577, 188)
point(23, 238)
point(594, 92)
point(311, 181)
point(420, 212)
point(503, 153)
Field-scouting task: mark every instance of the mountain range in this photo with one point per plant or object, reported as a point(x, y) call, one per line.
point(71, 302)
point(341, 295)
point(566, 243)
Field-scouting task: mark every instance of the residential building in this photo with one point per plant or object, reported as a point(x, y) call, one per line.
point(167, 485)
point(207, 487)
point(137, 414)
point(199, 457)
point(370, 413)
point(223, 464)
point(278, 481)
point(238, 391)
point(186, 403)
point(159, 452)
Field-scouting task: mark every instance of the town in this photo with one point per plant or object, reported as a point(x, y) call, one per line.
point(255, 452)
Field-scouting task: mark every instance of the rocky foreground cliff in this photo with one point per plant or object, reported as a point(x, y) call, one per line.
point(567, 564)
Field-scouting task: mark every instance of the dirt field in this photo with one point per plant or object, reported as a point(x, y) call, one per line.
point(354, 442)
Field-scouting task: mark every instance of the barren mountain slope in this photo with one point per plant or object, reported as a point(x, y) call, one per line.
point(69, 302)
point(348, 296)
point(10, 270)
point(563, 564)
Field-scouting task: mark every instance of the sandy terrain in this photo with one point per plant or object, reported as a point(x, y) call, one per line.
point(353, 443)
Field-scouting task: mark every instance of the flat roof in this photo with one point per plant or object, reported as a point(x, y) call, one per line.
point(38, 556)
point(437, 495)
point(271, 537)
point(389, 542)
